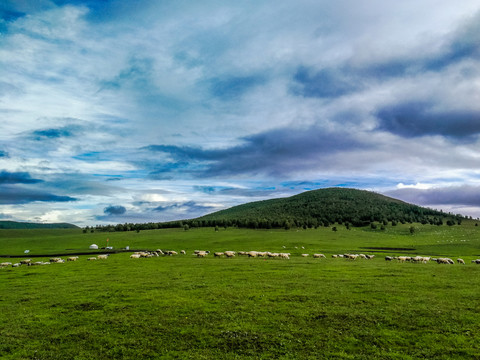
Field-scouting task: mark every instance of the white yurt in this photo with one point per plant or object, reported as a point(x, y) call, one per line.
point(94, 247)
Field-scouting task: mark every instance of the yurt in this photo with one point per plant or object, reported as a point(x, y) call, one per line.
point(94, 247)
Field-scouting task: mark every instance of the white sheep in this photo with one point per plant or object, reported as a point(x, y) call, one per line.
point(183, 252)
point(135, 256)
point(461, 261)
point(92, 258)
point(102, 257)
point(476, 261)
point(229, 253)
point(318, 256)
point(218, 254)
point(305, 255)
point(72, 258)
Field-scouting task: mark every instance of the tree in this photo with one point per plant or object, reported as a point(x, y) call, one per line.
point(412, 230)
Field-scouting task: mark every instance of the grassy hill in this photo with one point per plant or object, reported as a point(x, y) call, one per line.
point(328, 206)
point(28, 225)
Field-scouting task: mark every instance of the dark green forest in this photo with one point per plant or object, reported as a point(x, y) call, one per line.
point(311, 209)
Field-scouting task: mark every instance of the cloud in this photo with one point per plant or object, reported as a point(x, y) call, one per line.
point(326, 83)
point(273, 153)
point(20, 195)
point(51, 133)
point(415, 119)
point(189, 206)
point(115, 210)
point(3, 154)
point(17, 178)
point(465, 195)
point(230, 88)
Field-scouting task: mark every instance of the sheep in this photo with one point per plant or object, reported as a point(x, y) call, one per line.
point(334, 256)
point(102, 257)
point(92, 258)
point(25, 262)
point(252, 254)
point(5, 264)
point(183, 252)
point(196, 252)
point(16, 265)
point(229, 253)
point(271, 255)
point(445, 261)
point(318, 256)
point(285, 256)
point(305, 255)
point(388, 258)
point(57, 260)
point(201, 254)
point(370, 257)
point(461, 261)
point(72, 258)
point(135, 256)
point(476, 261)
point(218, 254)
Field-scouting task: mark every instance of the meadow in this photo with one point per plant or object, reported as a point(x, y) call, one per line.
point(183, 307)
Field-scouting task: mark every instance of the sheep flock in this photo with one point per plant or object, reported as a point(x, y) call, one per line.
point(246, 254)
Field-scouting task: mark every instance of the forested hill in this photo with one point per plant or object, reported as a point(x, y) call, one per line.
point(27, 225)
point(327, 206)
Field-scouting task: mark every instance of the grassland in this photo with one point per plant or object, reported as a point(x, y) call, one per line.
point(215, 308)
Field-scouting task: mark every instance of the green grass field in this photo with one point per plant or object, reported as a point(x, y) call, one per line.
point(183, 307)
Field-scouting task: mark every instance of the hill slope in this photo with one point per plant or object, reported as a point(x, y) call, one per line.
point(327, 206)
point(27, 225)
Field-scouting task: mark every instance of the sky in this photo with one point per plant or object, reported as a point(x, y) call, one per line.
point(115, 111)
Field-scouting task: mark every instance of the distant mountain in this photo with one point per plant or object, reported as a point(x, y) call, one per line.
point(28, 225)
point(324, 207)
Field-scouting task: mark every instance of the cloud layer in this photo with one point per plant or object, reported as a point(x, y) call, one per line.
point(117, 111)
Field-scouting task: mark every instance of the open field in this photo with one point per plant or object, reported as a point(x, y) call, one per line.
point(217, 308)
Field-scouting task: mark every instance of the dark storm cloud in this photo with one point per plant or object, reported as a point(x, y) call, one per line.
point(17, 178)
point(274, 152)
point(454, 195)
point(19, 195)
point(114, 210)
point(414, 119)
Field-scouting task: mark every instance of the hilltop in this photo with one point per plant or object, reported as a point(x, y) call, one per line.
point(314, 208)
point(328, 206)
point(29, 225)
